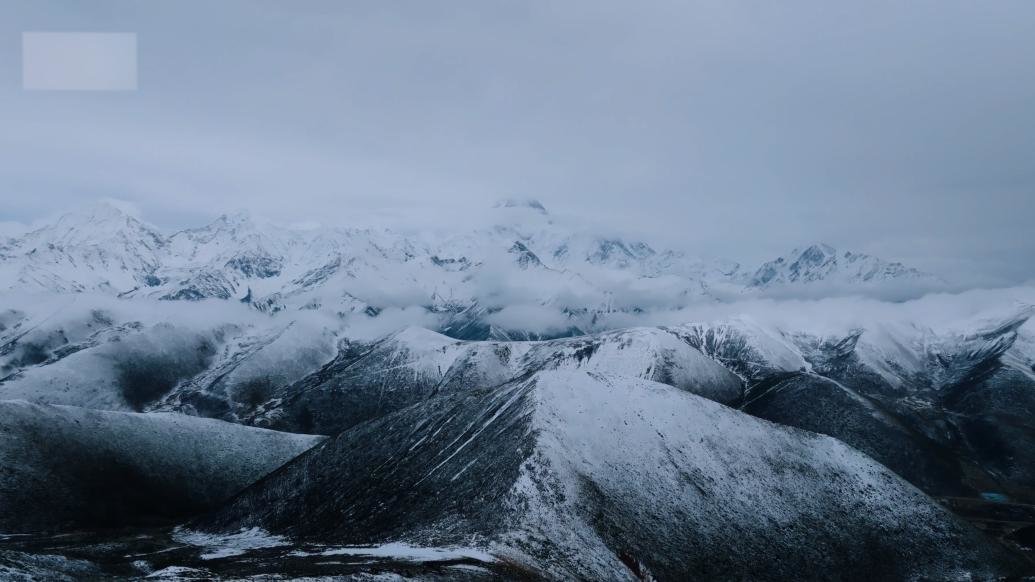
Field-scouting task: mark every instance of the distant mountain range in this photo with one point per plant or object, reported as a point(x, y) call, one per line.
point(521, 257)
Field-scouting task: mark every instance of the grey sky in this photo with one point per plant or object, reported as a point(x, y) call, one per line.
point(740, 129)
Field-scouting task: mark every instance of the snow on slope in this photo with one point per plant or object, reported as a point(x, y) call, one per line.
point(751, 350)
point(364, 381)
point(578, 475)
point(820, 265)
point(120, 354)
point(100, 248)
point(249, 368)
point(946, 407)
point(370, 380)
point(647, 353)
point(123, 371)
point(873, 426)
point(66, 467)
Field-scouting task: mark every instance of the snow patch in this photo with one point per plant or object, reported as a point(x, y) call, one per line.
point(407, 552)
point(232, 544)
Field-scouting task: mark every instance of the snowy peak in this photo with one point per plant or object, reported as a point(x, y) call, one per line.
point(227, 230)
point(520, 257)
point(529, 203)
point(236, 242)
point(525, 257)
point(99, 247)
point(822, 262)
point(100, 223)
point(619, 252)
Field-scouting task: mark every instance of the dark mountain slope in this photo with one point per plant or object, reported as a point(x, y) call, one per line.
point(65, 468)
point(582, 476)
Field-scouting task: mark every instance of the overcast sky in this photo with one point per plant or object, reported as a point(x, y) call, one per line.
point(739, 129)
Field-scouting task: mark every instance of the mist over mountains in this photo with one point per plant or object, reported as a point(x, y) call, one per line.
point(517, 399)
point(521, 272)
point(767, 318)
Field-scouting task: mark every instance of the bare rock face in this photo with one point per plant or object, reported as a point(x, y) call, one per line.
point(63, 467)
point(577, 475)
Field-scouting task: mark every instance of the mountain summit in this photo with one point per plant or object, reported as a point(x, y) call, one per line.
point(99, 247)
point(530, 203)
point(823, 263)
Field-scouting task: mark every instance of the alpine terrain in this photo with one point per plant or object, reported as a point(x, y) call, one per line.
point(520, 399)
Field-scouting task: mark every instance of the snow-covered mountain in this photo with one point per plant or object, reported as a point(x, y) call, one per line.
point(521, 274)
point(602, 456)
point(821, 263)
point(585, 476)
point(100, 248)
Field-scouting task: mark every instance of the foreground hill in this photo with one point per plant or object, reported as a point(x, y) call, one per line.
point(580, 476)
point(370, 380)
point(465, 453)
point(65, 468)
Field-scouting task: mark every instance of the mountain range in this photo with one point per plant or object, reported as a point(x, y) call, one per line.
point(522, 274)
point(765, 446)
point(248, 401)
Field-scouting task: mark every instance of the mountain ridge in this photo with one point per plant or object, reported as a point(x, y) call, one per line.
point(521, 257)
point(822, 262)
